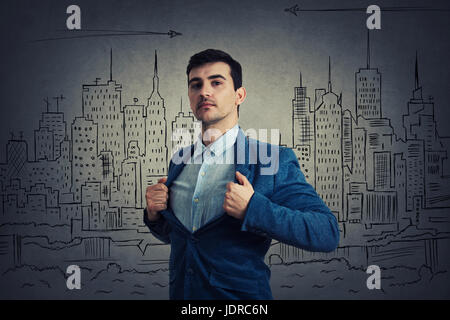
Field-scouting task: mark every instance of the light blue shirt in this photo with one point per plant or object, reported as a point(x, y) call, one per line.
point(197, 194)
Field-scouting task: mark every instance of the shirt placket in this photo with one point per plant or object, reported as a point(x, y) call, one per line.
point(197, 201)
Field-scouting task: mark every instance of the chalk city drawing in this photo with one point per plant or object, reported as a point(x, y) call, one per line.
point(80, 200)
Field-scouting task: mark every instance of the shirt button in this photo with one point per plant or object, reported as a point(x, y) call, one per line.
point(196, 200)
point(202, 174)
point(194, 228)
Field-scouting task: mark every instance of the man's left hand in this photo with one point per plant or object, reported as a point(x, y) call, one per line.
point(238, 196)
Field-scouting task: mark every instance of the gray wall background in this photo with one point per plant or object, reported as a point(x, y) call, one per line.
point(273, 46)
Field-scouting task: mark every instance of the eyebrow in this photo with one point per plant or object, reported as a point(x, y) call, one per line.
point(214, 76)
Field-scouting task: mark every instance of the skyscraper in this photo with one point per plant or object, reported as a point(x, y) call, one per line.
point(156, 131)
point(85, 164)
point(425, 151)
point(185, 130)
point(419, 123)
point(328, 146)
point(303, 132)
point(368, 90)
point(134, 126)
point(102, 104)
point(16, 156)
point(302, 127)
point(50, 135)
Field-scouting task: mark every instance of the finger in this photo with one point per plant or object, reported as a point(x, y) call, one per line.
point(162, 187)
point(158, 207)
point(227, 200)
point(229, 185)
point(162, 180)
point(159, 199)
point(241, 178)
point(157, 188)
point(158, 192)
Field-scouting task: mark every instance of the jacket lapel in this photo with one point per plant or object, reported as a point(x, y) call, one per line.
point(176, 169)
point(245, 155)
point(245, 152)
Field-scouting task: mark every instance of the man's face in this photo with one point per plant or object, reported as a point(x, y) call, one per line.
point(212, 95)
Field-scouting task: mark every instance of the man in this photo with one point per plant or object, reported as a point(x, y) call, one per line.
point(221, 216)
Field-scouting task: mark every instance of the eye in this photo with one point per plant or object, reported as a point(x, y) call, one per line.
point(216, 83)
point(195, 86)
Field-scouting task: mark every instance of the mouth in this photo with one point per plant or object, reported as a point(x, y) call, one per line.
point(205, 105)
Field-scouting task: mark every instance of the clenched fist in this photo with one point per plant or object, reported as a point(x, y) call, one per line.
point(238, 196)
point(156, 196)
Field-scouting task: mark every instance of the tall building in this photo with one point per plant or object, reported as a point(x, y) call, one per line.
point(426, 164)
point(85, 164)
point(368, 90)
point(16, 157)
point(379, 138)
point(50, 135)
point(347, 139)
point(156, 131)
point(328, 149)
point(106, 175)
point(64, 163)
point(302, 126)
point(372, 132)
point(102, 104)
point(134, 126)
point(303, 132)
point(44, 146)
point(415, 191)
point(420, 123)
point(306, 161)
point(131, 188)
point(96, 213)
point(347, 157)
point(359, 155)
point(185, 130)
point(436, 191)
point(382, 170)
point(400, 181)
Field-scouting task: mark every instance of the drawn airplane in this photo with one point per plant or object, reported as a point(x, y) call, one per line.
point(293, 9)
point(172, 33)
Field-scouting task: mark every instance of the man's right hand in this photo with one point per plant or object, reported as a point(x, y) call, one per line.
point(156, 196)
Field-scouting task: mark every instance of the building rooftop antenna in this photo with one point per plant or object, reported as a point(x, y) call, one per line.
point(329, 74)
point(368, 49)
point(61, 97)
point(110, 66)
point(48, 103)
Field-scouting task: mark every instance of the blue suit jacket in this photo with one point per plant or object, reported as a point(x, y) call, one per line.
point(224, 259)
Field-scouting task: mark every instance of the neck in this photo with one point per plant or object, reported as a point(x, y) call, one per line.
point(213, 131)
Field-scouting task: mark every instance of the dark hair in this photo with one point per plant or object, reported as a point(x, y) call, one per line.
point(213, 55)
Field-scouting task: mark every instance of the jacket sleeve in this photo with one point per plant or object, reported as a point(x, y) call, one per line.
point(159, 228)
point(294, 214)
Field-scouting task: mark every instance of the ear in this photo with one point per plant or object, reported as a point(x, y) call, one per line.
point(241, 93)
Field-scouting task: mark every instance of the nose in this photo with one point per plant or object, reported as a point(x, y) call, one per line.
point(205, 91)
